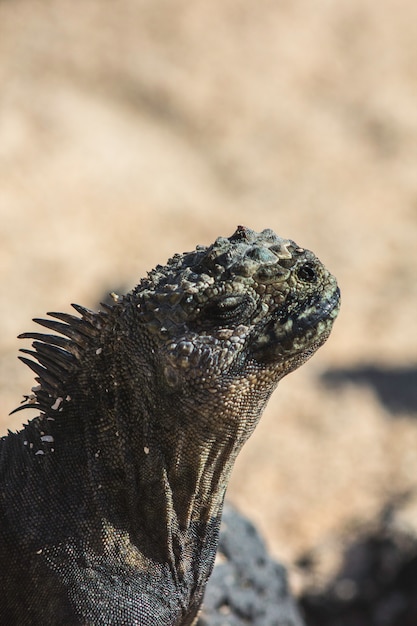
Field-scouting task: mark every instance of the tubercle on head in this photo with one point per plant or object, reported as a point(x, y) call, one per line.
point(240, 279)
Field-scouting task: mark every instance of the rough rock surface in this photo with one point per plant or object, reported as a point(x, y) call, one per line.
point(247, 585)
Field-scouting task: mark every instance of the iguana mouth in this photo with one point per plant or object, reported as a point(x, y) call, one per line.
point(319, 309)
point(292, 331)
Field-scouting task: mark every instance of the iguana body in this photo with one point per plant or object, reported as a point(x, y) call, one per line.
point(111, 498)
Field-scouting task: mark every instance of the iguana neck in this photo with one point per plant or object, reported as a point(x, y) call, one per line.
point(156, 471)
point(157, 477)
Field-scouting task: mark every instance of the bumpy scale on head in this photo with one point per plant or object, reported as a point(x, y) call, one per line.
point(253, 302)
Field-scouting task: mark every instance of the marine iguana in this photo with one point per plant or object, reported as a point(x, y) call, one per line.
point(111, 498)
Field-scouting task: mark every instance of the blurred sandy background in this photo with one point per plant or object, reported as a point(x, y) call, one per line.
point(131, 130)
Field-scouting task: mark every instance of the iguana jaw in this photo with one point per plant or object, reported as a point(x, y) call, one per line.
point(301, 331)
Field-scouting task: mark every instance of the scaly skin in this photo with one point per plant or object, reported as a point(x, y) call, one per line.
point(111, 498)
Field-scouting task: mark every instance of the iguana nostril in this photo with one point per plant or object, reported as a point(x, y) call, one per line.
point(307, 273)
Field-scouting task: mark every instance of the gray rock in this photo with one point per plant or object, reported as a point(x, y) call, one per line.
point(247, 586)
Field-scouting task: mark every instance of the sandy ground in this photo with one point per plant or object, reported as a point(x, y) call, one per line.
point(131, 130)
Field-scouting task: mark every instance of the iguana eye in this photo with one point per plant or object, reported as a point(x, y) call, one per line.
point(233, 308)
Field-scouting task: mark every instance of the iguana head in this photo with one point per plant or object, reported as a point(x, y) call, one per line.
point(237, 315)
